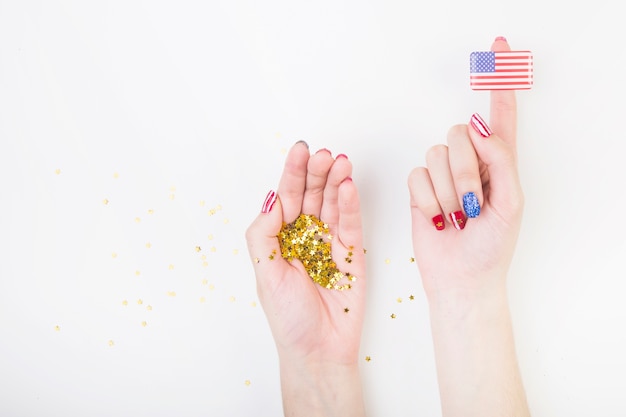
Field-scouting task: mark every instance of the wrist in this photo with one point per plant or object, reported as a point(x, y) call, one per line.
point(320, 387)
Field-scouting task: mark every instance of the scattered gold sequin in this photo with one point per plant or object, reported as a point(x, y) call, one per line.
point(105, 201)
point(171, 293)
point(205, 264)
point(111, 343)
point(150, 211)
point(247, 382)
point(170, 267)
point(212, 212)
point(235, 251)
point(306, 239)
point(411, 297)
point(172, 197)
point(205, 281)
point(211, 287)
point(226, 221)
point(137, 273)
point(210, 237)
point(202, 203)
point(202, 299)
point(411, 259)
point(368, 358)
point(172, 188)
point(149, 308)
point(148, 245)
point(137, 220)
point(387, 261)
point(116, 175)
point(257, 260)
point(114, 255)
point(198, 248)
point(125, 303)
point(253, 304)
point(140, 301)
point(213, 249)
point(393, 316)
point(346, 310)
point(57, 328)
point(144, 323)
point(399, 299)
point(231, 299)
point(57, 171)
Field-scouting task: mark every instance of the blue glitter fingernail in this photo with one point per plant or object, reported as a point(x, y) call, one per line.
point(471, 204)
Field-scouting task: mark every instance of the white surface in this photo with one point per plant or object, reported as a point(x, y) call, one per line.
point(187, 108)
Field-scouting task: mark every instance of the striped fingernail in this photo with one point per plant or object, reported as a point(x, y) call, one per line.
point(480, 126)
point(458, 220)
point(471, 205)
point(439, 222)
point(270, 199)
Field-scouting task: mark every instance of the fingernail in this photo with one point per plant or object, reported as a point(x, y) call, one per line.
point(324, 150)
point(303, 142)
point(458, 220)
point(439, 222)
point(471, 205)
point(501, 38)
point(342, 155)
point(270, 199)
point(480, 126)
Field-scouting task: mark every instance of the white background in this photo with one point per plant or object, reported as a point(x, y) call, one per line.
point(179, 114)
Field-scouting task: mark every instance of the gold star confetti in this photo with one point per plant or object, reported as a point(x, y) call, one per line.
point(393, 316)
point(368, 358)
point(412, 260)
point(140, 301)
point(213, 249)
point(210, 237)
point(144, 323)
point(173, 189)
point(116, 175)
point(105, 201)
point(306, 239)
point(235, 251)
point(253, 304)
point(198, 248)
point(57, 171)
point(411, 297)
point(212, 212)
point(125, 303)
point(346, 310)
point(170, 267)
point(57, 328)
point(202, 299)
point(205, 264)
point(387, 261)
point(171, 293)
point(111, 343)
point(226, 221)
point(148, 245)
point(149, 308)
point(257, 260)
point(150, 211)
point(231, 299)
point(247, 382)
point(114, 255)
point(211, 287)
point(137, 273)
point(202, 202)
point(205, 281)
point(399, 299)
point(137, 220)
point(172, 196)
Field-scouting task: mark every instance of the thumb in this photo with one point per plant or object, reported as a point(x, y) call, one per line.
point(505, 191)
point(261, 235)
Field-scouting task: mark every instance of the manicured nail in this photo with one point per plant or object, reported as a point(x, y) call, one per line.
point(270, 199)
point(342, 155)
point(439, 222)
point(324, 150)
point(458, 220)
point(479, 125)
point(303, 142)
point(471, 205)
point(501, 38)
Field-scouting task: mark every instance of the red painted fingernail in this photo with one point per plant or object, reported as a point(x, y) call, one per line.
point(501, 38)
point(342, 155)
point(270, 199)
point(480, 126)
point(439, 222)
point(458, 220)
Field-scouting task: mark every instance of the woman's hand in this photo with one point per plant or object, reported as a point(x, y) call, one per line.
point(317, 330)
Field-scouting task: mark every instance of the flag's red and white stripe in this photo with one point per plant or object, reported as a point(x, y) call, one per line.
point(513, 71)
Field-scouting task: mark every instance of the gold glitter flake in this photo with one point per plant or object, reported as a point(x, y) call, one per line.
point(137, 220)
point(387, 261)
point(114, 255)
point(232, 299)
point(346, 310)
point(57, 171)
point(150, 211)
point(125, 303)
point(148, 245)
point(411, 297)
point(57, 328)
point(368, 358)
point(412, 260)
point(140, 301)
point(393, 316)
point(257, 260)
point(170, 267)
point(149, 308)
point(111, 343)
point(105, 201)
point(306, 239)
point(171, 293)
point(144, 323)
point(247, 382)
point(198, 248)
point(202, 299)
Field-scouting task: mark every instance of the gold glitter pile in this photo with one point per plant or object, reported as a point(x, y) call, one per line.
point(308, 239)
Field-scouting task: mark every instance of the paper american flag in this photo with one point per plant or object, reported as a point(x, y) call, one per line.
point(511, 70)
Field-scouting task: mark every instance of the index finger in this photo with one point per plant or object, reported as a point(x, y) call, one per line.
point(503, 114)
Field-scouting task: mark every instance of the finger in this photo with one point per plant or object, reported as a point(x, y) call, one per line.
point(423, 197)
point(465, 172)
point(437, 161)
point(318, 168)
point(505, 193)
point(293, 181)
point(503, 111)
point(261, 237)
point(340, 170)
point(349, 228)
